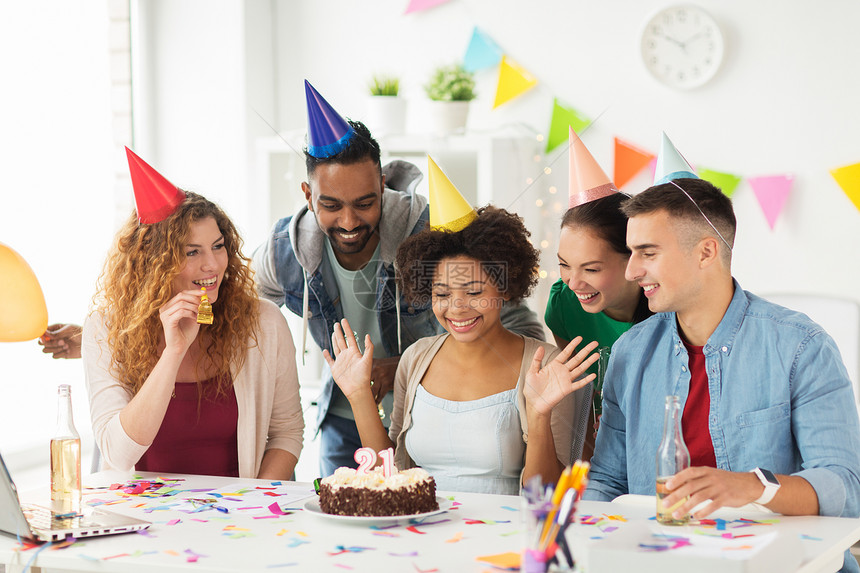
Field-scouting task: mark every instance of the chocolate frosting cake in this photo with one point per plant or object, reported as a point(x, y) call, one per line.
point(373, 495)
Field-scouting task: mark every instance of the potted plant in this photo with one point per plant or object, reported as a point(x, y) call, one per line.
point(450, 90)
point(385, 110)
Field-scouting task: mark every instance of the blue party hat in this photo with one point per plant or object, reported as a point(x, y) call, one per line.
point(671, 164)
point(328, 132)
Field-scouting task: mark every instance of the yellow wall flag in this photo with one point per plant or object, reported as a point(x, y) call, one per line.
point(848, 178)
point(513, 81)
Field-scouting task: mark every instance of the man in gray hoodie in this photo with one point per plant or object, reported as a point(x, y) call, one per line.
point(334, 259)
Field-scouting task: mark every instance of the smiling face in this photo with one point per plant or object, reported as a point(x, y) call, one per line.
point(594, 271)
point(347, 203)
point(666, 269)
point(465, 301)
point(205, 259)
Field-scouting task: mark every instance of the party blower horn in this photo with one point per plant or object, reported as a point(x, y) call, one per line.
point(328, 132)
point(155, 197)
point(587, 181)
point(23, 313)
point(449, 210)
point(671, 164)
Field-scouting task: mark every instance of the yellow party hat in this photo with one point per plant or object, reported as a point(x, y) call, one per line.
point(449, 210)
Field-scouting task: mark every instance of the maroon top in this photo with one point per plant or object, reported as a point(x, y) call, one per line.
point(694, 421)
point(198, 434)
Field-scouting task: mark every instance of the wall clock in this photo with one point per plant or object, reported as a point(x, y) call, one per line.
point(682, 46)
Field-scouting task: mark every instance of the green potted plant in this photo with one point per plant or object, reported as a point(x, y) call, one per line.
point(450, 89)
point(385, 110)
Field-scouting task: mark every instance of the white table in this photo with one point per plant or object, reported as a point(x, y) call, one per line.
point(812, 543)
point(284, 543)
point(478, 525)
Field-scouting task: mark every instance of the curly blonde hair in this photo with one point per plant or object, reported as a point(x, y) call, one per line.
point(137, 281)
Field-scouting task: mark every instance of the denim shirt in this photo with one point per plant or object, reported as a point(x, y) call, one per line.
point(780, 397)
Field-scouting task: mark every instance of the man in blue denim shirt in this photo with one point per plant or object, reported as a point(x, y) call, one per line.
point(780, 396)
point(357, 214)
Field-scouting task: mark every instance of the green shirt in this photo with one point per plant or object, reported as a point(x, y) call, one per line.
point(566, 319)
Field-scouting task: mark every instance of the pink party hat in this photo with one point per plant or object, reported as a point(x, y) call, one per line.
point(587, 181)
point(328, 132)
point(155, 197)
point(671, 164)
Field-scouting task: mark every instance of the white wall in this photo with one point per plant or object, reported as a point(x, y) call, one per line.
point(56, 196)
point(784, 101)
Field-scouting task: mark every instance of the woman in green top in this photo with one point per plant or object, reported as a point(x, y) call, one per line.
point(592, 298)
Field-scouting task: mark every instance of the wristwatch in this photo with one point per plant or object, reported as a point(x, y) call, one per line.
point(770, 483)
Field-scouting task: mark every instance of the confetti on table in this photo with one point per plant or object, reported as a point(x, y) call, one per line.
point(115, 556)
point(419, 570)
point(457, 537)
point(422, 522)
point(276, 509)
point(410, 554)
point(295, 542)
point(385, 534)
point(274, 565)
point(509, 560)
point(509, 508)
point(615, 517)
point(809, 537)
point(413, 529)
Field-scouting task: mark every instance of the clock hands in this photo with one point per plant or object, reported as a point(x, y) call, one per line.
point(660, 34)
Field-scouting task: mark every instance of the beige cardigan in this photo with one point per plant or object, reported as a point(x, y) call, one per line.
point(267, 395)
point(568, 425)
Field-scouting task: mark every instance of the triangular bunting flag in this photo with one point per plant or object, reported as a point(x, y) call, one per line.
point(629, 160)
point(482, 52)
point(726, 182)
point(848, 178)
point(771, 192)
point(564, 118)
point(513, 81)
point(421, 5)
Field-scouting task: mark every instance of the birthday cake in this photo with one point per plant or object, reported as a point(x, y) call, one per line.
point(406, 492)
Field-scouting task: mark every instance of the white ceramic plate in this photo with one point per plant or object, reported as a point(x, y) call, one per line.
point(313, 506)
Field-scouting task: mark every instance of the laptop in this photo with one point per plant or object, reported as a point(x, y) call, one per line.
point(38, 523)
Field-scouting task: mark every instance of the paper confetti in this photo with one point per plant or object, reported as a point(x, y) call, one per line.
point(457, 537)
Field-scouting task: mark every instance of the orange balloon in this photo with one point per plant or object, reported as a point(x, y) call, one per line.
point(23, 313)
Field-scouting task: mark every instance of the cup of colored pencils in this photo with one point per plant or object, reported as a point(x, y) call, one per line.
point(548, 511)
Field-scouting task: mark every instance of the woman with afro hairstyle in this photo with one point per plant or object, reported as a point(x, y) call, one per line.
point(169, 395)
point(473, 406)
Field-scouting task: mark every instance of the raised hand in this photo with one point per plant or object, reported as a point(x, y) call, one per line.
point(545, 387)
point(350, 368)
point(62, 340)
point(179, 320)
